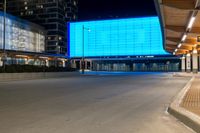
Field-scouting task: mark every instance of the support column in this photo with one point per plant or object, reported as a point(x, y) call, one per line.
point(115, 67)
point(63, 64)
point(73, 64)
point(26, 61)
point(194, 61)
point(86, 65)
point(188, 63)
point(98, 67)
point(1, 62)
point(91, 65)
point(199, 62)
point(183, 64)
point(134, 67)
point(80, 64)
point(47, 63)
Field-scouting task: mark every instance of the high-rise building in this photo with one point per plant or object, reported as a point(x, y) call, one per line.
point(51, 14)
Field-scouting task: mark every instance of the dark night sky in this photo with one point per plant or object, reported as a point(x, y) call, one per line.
point(104, 9)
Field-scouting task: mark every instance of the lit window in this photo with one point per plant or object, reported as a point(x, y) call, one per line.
point(26, 7)
point(30, 12)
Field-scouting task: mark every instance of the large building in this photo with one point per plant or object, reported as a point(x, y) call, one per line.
point(51, 14)
point(120, 37)
point(133, 44)
point(25, 44)
point(21, 36)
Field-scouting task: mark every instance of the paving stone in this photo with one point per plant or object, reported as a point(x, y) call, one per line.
point(191, 101)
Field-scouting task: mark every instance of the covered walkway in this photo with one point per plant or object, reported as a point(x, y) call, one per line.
point(180, 21)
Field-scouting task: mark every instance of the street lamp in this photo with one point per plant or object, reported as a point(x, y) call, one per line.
point(4, 36)
point(83, 58)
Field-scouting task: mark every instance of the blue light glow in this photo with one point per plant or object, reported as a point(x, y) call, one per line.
point(122, 37)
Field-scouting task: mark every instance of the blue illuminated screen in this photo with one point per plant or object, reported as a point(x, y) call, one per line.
point(121, 37)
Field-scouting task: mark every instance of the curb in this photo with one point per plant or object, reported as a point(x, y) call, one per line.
point(188, 118)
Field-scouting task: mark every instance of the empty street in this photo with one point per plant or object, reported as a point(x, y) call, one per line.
point(134, 103)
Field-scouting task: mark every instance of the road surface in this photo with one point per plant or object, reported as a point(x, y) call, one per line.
point(134, 103)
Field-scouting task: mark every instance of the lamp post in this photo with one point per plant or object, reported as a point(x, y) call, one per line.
point(83, 55)
point(4, 36)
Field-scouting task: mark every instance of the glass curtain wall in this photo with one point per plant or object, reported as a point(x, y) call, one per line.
point(21, 35)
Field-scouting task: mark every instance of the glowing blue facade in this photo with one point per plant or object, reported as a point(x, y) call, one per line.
point(122, 37)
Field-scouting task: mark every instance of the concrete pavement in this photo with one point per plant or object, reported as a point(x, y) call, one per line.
point(91, 104)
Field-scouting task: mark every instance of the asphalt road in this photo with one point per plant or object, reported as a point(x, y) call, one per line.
point(91, 104)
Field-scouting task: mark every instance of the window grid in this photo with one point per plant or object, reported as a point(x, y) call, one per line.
point(122, 37)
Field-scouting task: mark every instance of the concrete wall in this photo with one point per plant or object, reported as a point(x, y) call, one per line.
point(28, 76)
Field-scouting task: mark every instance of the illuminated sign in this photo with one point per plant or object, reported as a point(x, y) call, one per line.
point(121, 37)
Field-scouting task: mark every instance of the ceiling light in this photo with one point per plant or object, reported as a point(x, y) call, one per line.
point(184, 37)
point(191, 22)
point(179, 45)
point(22, 56)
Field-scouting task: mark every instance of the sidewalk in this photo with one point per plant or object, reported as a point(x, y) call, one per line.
point(6, 77)
point(186, 106)
point(191, 100)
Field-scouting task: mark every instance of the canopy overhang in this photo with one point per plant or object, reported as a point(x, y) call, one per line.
point(180, 21)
